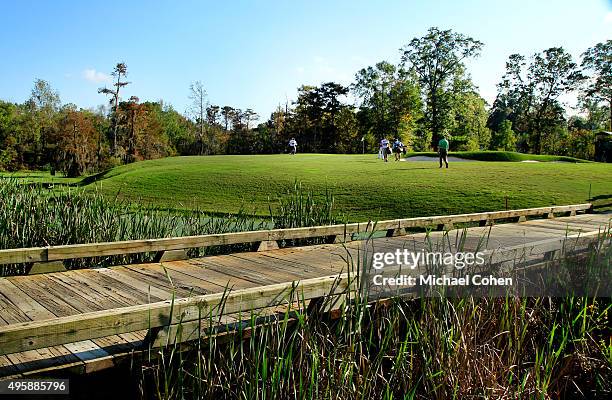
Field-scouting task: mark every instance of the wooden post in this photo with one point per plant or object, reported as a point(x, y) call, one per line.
point(315, 306)
point(266, 245)
point(46, 267)
point(171, 255)
point(551, 255)
point(337, 239)
point(394, 232)
point(446, 227)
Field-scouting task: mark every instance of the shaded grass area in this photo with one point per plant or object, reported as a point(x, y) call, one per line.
point(364, 188)
point(42, 177)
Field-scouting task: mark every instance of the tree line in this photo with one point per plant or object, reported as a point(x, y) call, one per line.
point(427, 95)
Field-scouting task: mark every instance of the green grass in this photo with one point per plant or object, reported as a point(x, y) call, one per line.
point(363, 187)
point(502, 156)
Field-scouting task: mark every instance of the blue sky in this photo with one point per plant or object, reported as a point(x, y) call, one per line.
point(256, 53)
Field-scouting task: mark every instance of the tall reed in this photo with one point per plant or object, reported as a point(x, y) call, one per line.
point(32, 215)
point(300, 207)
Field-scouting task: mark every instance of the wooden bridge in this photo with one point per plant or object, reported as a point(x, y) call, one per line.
point(89, 319)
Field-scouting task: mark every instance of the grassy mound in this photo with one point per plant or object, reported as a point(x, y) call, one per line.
point(503, 156)
point(363, 186)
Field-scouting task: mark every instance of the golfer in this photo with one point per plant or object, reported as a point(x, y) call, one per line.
point(293, 146)
point(386, 150)
point(398, 147)
point(443, 151)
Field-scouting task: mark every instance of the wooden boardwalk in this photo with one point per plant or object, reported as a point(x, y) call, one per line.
point(30, 299)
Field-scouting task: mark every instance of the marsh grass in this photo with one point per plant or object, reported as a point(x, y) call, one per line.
point(32, 215)
point(299, 207)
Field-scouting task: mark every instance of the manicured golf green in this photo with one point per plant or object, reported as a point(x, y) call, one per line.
point(363, 186)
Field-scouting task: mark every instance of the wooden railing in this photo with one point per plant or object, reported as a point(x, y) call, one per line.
point(341, 233)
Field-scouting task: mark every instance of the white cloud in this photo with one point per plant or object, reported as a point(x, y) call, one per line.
point(92, 75)
point(608, 18)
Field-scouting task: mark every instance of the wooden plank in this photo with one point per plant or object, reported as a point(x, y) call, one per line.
point(32, 335)
point(549, 225)
point(152, 245)
point(88, 352)
point(603, 218)
point(117, 344)
point(108, 292)
point(542, 247)
point(25, 255)
point(57, 290)
point(199, 271)
point(30, 285)
point(7, 368)
point(594, 224)
point(231, 268)
point(47, 357)
point(192, 330)
point(118, 274)
point(573, 226)
point(11, 313)
point(326, 262)
point(268, 267)
point(179, 280)
point(307, 264)
point(116, 289)
point(532, 230)
point(30, 307)
point(136, 338)
point(251, 262)
point(83, 296)
point(53, 253)
point(92, 357)
point(160, 282)
point(27, 309)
